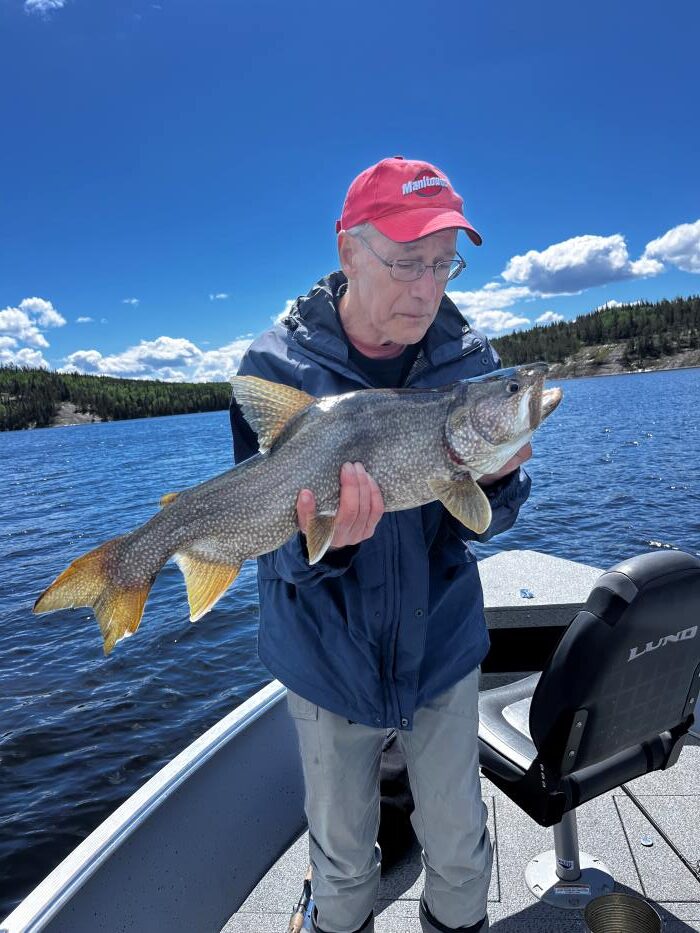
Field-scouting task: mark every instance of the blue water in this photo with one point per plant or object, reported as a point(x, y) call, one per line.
point(615, 473)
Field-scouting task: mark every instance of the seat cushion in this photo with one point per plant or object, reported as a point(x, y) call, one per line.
point(505, 746)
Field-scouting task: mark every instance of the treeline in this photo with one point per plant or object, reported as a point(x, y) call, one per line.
point(31, 397)
point(648, 330)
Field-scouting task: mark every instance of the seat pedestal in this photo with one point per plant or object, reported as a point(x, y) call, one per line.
point(566, 877)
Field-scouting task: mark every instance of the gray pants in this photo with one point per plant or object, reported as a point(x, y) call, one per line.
point(341, 772)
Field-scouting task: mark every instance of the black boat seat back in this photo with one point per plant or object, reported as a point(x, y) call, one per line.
point(628, 667)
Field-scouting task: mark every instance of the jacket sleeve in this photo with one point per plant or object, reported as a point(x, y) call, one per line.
point(290, 561)
point(506, 495)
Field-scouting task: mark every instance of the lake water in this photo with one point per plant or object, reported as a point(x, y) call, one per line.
point(615, 473)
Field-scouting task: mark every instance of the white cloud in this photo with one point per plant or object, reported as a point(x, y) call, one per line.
point(570, 267)
point(218, 365)
point(43, 312)
point(23, 357)
point(645, 267)
point(490, 297)
point(549, 317)
point(83, 320)
point(486, 306)
point(172, 359)
point(613, 303)
point(169, 374)
point(497, 322)
point(42, 7)
point(147, 356)
point(23, 325)
point(219, 296)
point(131, 301)
point(15, 323)
point(679, 246)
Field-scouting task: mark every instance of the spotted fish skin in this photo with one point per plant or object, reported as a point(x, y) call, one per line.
point(418, 444)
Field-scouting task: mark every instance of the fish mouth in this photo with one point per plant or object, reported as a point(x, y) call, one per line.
point(550, 400)
point(535, 403)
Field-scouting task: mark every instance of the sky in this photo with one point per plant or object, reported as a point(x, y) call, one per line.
point(171, 172)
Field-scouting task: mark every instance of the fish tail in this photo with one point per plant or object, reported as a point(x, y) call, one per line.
point(92, 581)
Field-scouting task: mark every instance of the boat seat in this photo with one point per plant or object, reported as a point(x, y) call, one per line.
point(506, 746)
point(615, 701)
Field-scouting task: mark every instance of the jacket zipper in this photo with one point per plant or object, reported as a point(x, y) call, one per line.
point(395, 706)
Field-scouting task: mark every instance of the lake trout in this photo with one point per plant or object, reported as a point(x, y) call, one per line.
point(420, 445)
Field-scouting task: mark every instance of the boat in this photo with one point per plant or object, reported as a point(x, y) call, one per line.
point(215, 842)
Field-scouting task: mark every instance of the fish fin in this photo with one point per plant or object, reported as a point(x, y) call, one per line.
point(466, 500)
point(268, 406)
point(168, 498)
point(318, 536)
point(88, 582)
point(206, 581)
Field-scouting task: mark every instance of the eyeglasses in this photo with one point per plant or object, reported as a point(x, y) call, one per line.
point(410, 270)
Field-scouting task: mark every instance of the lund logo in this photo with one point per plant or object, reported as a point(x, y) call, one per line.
point(652, 646)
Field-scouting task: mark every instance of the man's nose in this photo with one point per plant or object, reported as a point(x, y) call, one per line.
point(425, 287)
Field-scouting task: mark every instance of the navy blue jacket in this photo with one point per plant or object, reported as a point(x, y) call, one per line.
point(373, 631)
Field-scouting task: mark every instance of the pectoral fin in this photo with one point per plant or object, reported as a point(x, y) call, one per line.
point(268, 406)
point(464, 499)
point(206, 581)
point(318, 536)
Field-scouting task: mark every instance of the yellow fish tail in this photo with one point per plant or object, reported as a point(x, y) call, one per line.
point(89, 582)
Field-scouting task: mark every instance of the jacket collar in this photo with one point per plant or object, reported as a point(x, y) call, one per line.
point(313, 322)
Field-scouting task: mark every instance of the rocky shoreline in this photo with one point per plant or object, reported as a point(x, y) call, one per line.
point(608, 360)
point(68, 414)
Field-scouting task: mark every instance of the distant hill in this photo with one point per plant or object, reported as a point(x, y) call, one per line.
point(37, 398)
point(640, 336)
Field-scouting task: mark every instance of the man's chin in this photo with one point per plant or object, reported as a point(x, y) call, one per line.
point(411, 328)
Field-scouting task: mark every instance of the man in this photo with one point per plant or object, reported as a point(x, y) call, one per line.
point(387, 630)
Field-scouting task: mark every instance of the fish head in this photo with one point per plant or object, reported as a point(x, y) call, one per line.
point(493, 416)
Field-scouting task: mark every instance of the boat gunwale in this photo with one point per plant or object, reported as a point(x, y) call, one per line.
point(61, 884)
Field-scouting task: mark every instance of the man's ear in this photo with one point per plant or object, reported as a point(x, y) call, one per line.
point(347, 253)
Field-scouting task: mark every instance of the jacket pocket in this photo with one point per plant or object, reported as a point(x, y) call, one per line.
point(299, 708)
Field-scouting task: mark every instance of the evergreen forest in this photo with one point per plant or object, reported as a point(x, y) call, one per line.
point(647, 331)
point(31, 397)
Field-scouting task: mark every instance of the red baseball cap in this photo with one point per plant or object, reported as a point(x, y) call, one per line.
point(405, 200)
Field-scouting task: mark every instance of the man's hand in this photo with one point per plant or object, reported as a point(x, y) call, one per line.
point(522, 455)
point(361, 506)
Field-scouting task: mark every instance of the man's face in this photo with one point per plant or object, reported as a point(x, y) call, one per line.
point(400, 312)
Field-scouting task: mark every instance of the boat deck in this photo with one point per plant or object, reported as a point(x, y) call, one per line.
point(610, 827)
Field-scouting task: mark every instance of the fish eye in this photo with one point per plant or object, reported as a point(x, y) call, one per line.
point(512, 388)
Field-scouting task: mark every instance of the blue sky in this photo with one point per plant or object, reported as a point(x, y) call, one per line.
point(172, 171)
